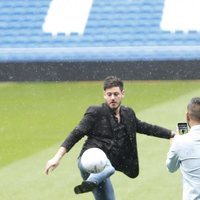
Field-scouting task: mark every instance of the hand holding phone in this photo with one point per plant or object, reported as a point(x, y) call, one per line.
point(182, 128)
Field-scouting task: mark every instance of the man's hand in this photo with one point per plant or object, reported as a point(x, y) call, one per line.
point(54, 162)
point(173, 134)
point(51, 165)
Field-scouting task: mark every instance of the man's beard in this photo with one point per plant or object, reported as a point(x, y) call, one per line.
point(115, 108)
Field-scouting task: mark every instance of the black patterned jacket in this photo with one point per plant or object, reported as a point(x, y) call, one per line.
point(100, 127)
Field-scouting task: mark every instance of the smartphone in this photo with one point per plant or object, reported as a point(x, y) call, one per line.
point(182, 128)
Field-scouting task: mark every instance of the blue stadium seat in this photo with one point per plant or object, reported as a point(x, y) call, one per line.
point(119, 24)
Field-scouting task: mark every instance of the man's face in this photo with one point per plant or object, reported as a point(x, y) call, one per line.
point(113, 97)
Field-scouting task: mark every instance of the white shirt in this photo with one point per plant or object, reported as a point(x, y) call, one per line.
point(185, 153)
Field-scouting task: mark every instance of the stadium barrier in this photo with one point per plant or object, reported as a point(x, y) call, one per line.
point(93, 71)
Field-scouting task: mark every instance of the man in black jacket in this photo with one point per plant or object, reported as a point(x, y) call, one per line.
point(112, 128)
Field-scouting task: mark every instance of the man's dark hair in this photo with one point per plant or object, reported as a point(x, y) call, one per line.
point(194, 108)
point(113, 81)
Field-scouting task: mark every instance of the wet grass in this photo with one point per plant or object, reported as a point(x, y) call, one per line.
point(35, 116)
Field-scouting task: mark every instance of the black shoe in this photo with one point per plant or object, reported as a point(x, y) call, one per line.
point(86, 186)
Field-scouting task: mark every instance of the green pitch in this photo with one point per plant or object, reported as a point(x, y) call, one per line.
point(36, 117)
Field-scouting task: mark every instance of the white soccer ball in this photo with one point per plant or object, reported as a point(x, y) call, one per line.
point(94, 160)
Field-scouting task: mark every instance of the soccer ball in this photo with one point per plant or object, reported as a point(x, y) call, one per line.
point(94, 160)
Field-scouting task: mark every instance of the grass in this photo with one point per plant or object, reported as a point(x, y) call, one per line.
point(36, 118)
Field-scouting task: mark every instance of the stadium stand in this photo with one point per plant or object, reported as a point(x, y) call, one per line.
point(115, 30)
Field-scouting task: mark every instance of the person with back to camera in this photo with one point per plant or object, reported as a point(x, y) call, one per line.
point(112, 128)
point(184, 153)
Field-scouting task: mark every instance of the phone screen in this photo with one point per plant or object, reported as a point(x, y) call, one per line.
point(182, 128)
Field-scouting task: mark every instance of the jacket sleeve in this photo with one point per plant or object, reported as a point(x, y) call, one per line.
point(152, 130)
point(172, 161)
point(83, 128)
